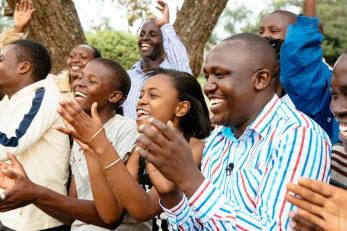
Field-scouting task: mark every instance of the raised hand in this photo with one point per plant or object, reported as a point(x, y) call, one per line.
point(22, 15)
point(78, 123)
point(13, 165)
point(161, 184)
point(164, 9)
point(319, 203)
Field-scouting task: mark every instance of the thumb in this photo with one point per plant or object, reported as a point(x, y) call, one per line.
point(13, 159)
point(95, 113)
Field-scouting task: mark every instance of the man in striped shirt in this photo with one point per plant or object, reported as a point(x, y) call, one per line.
point(160, 46)
point(261, 145)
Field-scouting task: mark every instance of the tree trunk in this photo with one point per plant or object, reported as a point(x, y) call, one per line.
point(56, 25)
point(194, 24)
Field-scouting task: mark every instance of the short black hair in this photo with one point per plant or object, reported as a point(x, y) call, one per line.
point(121, 80)
point(96, 52)
point(196, 122)
point(289, 15)
point(36, 54)
point(260, 51)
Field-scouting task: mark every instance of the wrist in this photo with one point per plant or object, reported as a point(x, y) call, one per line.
point(170, 200)
point(19, 29)
point(190, 184)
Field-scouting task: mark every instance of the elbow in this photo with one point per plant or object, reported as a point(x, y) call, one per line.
point(110, 219)
point(142, 218)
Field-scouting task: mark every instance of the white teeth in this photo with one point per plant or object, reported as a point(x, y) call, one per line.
point(216, 101)
point(142, 112)
point(145, 47)
point(75, 68)
point(78, 93)
point(343, 129)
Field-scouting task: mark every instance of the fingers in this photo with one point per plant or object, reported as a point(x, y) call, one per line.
point(9, 173)
point(65, 114)
point(64, 130)
point(302, 204)
point(150, 140)
point(316, 222)
point(13, 159)
point(168, 130)
point(307, 194)
point(317, 186)
point(146, 155)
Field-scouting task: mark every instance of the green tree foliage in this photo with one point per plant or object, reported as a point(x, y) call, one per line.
point(333, 16)
point(116, 45)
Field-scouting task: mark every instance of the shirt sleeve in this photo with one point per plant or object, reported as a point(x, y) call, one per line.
point(8, 35)
point(39, 116)
point(305, 75)
point(297, 155)
point(176, 52)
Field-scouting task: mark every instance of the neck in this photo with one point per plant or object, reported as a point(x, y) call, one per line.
point(149, 63)
point(10, 91)
point(105, 115)
point(258, 106)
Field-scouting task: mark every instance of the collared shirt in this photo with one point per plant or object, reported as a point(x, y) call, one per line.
point(176, 59)
point(245, 178)
point(305, 75)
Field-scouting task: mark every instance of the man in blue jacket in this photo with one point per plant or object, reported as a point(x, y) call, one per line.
point(304, 74)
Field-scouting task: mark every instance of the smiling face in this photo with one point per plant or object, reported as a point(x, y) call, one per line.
point(94, 84)
point(338, 90)
point(159, 99)
point(78, 59)
point(230, 80)
point(150, 41)
point(275, 26)
point(8, 67)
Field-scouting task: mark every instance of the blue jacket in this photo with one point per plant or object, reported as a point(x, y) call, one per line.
point(304, 74)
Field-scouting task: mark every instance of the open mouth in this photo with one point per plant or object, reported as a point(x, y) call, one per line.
point(216, 103)
point(79, 94)
point(343, 130)
point(145, 46)
point(142, 114)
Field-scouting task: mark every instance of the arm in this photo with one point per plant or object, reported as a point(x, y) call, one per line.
point(22, 17)
point(304, 74)
point(295, 155)
point(176, 52)
point(20, 191)
point(38, 115)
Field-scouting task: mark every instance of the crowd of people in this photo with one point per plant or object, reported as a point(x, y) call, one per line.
point(98, 147)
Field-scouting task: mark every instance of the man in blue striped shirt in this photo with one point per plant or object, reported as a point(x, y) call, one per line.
point(160, 46)
point(261, 144)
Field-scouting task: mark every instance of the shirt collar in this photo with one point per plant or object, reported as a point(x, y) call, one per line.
point(260, 124)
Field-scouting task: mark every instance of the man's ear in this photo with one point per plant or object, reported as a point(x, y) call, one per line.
point(24, 67)
point(116, 97)
point(262, 79)
point(182, 108)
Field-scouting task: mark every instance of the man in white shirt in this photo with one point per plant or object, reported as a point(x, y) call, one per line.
point(28, 115)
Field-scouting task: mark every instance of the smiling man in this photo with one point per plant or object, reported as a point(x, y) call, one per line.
point(27, 120)
point(261, 144)
point(159, 46)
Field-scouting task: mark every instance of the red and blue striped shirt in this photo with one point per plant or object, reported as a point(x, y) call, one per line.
point(280, 146)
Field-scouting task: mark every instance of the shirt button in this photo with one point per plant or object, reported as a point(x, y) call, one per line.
point(329, 119)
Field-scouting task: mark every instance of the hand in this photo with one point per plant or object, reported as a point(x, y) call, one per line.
point(309, 8)
point(166, 148)
point(22, 15)
point(15, 166)
point(161, 184)
point(20, 191)
point(319, 203)
point(78, 123)
point(164, 9)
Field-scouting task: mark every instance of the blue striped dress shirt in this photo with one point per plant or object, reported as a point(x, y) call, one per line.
point(176, 58)
point(280, 146)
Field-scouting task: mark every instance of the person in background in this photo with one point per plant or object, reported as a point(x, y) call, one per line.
point(159, 46)
point(305, 76)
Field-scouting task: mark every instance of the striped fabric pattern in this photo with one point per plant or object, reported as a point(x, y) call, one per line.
point(176, 59)
point(338, 166)
point(280, 146)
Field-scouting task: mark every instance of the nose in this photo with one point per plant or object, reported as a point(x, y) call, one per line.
point(142, 100)
point(210, 86)
point(78, 82)
point(339, 108)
